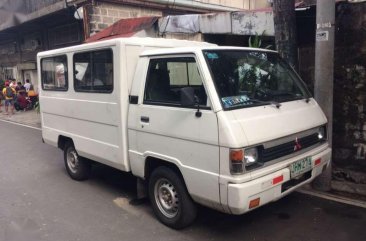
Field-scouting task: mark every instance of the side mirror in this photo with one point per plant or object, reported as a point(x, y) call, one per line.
point(187, 97)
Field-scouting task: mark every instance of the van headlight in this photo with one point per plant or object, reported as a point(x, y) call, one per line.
point(242, 158)
point(250, 156)
point(322, 133)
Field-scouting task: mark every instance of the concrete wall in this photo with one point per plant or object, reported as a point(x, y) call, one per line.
point(236, 23)
point(350, 87)
point(102, 15)
point(349, 134)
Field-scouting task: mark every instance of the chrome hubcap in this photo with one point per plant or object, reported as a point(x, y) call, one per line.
point(166, 197)
point(72, 160)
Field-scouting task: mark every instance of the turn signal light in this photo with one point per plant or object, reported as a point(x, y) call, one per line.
point(236, 161)
point(236, 155)
point(254, 203)
point(317, 161)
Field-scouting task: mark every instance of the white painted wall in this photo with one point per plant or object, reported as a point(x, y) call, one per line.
point(245, 4)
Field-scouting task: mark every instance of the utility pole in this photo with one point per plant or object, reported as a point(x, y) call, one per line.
point(284, 18)
point(323, 87)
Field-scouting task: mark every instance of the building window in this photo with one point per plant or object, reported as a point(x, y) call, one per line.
point(64, 35)
point(54, 73)
point(93, 71)
point(8, 49)
point(167, 76)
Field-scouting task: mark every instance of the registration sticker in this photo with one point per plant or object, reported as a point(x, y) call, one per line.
point(212, 55)
point(300, 167)
point(235, 101)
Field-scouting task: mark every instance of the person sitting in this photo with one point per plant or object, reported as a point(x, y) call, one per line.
point(21, 103)
point(33, 96)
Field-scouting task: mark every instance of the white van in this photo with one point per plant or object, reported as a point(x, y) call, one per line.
point(229, 128)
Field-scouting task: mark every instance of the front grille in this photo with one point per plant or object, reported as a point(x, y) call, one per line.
point(272, 153)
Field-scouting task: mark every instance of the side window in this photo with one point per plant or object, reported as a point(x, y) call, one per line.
point(167, 76)
point(54, 73)
point(93, 71)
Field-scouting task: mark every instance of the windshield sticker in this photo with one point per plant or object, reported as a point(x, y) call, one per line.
point(235, 101)
point(212, 55)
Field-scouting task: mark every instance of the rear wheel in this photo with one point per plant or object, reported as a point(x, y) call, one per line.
point(170, 199)
point(77, 167)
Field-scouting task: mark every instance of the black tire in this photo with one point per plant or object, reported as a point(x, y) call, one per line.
point(170, 200)
point(77, 167)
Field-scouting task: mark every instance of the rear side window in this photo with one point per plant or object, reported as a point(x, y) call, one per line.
point(54, 73)
point(93, 71)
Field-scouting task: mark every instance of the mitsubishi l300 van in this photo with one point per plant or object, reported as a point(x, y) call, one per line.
point(229, 128)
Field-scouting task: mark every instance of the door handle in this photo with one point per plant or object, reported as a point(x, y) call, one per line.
point(145, 119)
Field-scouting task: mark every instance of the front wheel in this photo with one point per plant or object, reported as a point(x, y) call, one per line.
point(77, 167)
point(170, 199)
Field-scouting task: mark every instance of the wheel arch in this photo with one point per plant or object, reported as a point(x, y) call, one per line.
point(62, 140)
point(153, 162)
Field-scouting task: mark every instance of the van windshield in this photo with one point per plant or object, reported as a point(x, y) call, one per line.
point(245, 78)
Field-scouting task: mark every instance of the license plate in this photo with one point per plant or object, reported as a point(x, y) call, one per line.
point(301, 166)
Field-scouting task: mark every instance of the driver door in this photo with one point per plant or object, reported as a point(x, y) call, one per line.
point(172, 132)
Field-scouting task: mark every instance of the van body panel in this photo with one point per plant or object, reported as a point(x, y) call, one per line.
point(91, 120)
point(192, 141)
point(97, 122)
point(261, 124)
point(177, 135)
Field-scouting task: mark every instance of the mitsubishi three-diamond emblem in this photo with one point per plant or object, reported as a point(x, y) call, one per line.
point(297, 145)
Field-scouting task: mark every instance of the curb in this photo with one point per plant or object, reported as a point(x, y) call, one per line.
point(21, 124)
point(332, 197)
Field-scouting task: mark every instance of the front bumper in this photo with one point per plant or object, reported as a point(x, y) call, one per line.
point(273, 186)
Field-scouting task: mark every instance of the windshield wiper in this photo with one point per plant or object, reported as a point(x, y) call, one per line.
point(275, 103)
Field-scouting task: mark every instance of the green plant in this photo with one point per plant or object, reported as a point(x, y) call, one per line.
point(37, 107)
point(2, 83)
point(256, 42)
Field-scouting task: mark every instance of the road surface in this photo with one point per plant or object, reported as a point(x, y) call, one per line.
point(38, 201)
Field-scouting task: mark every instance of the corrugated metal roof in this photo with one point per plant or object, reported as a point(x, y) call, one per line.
point(124, 28)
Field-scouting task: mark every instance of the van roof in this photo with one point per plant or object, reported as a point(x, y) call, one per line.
point(138, 41)
point(168, 51)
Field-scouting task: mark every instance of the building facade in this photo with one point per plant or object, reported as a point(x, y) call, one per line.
point(101, 14)
point(30, 26)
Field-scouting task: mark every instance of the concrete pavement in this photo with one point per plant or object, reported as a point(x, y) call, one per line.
point(29, 117)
